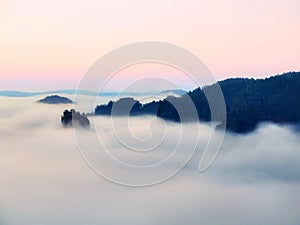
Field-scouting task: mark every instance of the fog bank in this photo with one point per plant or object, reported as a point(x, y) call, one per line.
point(44, 180)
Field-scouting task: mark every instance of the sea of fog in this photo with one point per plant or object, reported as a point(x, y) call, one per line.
point(44, 178)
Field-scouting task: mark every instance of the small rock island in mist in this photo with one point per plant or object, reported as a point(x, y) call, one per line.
point(55, 99)
point(72, 117)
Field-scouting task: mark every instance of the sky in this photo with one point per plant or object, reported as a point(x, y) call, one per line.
point(50, 44)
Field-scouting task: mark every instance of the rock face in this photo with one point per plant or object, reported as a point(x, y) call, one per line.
point(71, 118)
point(56, 99)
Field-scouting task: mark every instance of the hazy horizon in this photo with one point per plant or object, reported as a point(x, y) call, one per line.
point(143, 91)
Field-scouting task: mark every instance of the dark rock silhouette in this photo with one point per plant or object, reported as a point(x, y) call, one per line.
point(56, 99)
point(127, 106)
point(70, 118)
point(248, 102)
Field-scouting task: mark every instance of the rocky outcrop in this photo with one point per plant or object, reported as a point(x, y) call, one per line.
point(56, 99)
point(73, 118)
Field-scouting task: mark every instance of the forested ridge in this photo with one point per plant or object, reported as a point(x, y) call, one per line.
point(248, 102)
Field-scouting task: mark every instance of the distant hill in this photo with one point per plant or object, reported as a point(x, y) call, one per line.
point(173, 92)
point(16, 94)
point(8, 93)
point(55, 99)
point(248, 102)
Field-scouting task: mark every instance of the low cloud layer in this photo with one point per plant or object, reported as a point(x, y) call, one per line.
point(44, 180)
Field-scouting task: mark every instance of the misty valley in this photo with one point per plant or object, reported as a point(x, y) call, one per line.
point(253, 180)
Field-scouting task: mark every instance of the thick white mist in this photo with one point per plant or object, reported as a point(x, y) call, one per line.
point(44, 180)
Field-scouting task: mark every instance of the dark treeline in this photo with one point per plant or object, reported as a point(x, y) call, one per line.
point(127, 106)
point(248, 102)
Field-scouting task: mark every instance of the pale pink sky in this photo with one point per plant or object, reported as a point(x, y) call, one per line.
point(49, 44)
